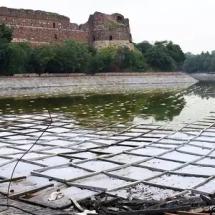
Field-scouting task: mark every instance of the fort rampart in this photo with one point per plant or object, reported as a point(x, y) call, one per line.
point(40, 27)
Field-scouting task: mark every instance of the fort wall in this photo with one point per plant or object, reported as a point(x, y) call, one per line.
point(46, 36)
point(40, 27)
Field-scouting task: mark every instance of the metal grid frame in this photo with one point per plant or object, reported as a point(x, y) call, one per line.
point(103, 141)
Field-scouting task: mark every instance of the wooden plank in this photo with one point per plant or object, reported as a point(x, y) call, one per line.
point(30, 191)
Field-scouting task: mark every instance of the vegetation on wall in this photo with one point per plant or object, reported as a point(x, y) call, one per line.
point(72, 57)
point(112, 24)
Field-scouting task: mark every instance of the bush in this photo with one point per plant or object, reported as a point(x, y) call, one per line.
point(104, 60)
point(14, 59)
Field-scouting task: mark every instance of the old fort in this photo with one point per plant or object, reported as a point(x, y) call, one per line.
point(40, 27)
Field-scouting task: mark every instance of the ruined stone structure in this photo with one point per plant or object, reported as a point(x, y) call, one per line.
point(108, 30)
point(40, 27)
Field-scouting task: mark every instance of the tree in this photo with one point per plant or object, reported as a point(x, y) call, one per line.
point(43, 58)
point(176, 53)
point(14, 59)
point(204, 62)
point(4, 61)
point(138, 61)
point(144, 47)
point(158, 58)
point(190, 64)
point(73, 57)
point(163, 55)
point(104, 59)
point(130, 59)
point(123, 58)
point(6, 33)
point(69, 57)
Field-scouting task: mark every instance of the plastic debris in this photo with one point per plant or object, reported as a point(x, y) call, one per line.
point(56, 196)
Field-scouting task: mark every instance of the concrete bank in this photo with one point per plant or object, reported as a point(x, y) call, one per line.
point(80, 83)
point(204, 77)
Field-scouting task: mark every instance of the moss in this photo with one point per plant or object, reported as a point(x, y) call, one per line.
point(114, 25)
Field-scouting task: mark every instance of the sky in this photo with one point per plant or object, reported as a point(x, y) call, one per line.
point(189, 23)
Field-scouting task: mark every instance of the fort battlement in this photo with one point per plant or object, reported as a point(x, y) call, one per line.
point(40, 27)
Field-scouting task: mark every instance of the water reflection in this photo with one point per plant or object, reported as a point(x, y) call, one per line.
point(202, 89)
point(162, 105)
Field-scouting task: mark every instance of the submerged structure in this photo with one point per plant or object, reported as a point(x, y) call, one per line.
point(145, 162)
point(40, 27)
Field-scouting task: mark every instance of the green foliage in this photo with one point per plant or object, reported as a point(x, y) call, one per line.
point(138, 62)
point(69, 57)
point(176, 53)
point(162, 56)
point(4, 60)
point(14, 58)
point(159, 59)
point(144, 46)
point(114, 24)
point(18, 56)
point(128, 59)
point(104, 59)
point(118, 59)
point(73, 57)
point(42, 59)
point(204, 62)
point(5, 33)
point(164, 106)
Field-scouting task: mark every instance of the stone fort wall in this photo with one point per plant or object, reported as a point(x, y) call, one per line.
point(40, 27)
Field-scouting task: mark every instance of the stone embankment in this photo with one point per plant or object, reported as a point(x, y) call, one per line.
point(204, 77)
point(80, 83)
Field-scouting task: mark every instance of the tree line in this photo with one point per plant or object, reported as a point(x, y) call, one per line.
point(204, 62)
point(74, 57)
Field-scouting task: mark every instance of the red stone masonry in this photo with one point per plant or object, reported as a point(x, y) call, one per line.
point(40, 27)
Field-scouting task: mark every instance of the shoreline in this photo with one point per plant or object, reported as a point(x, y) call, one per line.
point(102, 83)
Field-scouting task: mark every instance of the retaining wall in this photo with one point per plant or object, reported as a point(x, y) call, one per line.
point(82, 84)
point(96, 80)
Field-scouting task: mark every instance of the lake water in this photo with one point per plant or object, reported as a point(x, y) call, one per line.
point(147, 106)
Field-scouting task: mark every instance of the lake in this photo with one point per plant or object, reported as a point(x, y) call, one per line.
point(146, 106)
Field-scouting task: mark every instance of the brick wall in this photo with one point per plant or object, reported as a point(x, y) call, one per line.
point(40, 27)
point(44, 27)
point(31, 14)
point(29, 22)
point(103, 27)
point(40, 35)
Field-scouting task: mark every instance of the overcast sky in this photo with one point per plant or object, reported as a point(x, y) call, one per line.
point(190, 23)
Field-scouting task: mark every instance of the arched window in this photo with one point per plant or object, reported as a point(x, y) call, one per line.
point(54, 25)
point(55, 37)
point(94, 39)
point(111, 37)
point(119, 19)
point(130, 38)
